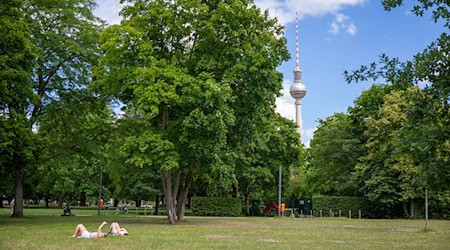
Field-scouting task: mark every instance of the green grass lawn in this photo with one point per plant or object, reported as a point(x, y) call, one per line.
point(44, 229)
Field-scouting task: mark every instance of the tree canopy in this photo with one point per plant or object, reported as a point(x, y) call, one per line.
point(189, 67)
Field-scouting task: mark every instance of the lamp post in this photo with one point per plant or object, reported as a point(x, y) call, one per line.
point(426, 207)
point(100, 190)
point(279, 192)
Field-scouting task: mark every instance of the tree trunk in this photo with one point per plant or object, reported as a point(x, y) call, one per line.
point(234, 192)
point(60, 200)
point(169, 191)
point(411, 208)
point(138, 202)
point(182, 196)
point(83, 199)
point(156, 205)
point(247, 207)
point(405, 209)
point(175, 187)
point(46, 201)
point(116, 202)
point(168, 195)
point(18, 205)
point(1, 201)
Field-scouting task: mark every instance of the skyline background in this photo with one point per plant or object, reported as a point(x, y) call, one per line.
point(334, 35)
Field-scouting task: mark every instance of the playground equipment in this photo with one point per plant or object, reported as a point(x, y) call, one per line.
point(269, 207)
point(300, 207)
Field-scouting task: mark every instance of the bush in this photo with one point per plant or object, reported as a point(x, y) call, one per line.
point(216, 206)
point(343, 203)
point(439, 205)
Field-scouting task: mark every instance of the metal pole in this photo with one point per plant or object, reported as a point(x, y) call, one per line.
point(100, 190)
point(426, 207)
point(279, 192)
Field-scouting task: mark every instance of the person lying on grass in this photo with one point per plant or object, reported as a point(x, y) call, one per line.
point(115, 229)
point(84, 233)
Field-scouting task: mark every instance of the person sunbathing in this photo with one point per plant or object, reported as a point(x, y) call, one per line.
point(115, 229)
point(84, 233)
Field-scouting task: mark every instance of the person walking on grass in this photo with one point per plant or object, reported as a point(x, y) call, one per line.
point(84, 233)
point(115, 229)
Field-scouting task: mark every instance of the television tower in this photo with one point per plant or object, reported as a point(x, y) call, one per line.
point(298, 89)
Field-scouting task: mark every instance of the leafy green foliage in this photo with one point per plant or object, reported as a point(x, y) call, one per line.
point(130, 178)
point(216, 206)
point(439, 8)
point(426, 132)
point(385, 176)
point(440, 205)
point(65, 34)
point(273, 145)
point(335, 150)
point(75, 135)
point(343, 203)
point(15, 60)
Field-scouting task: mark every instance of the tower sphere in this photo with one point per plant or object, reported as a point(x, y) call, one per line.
point(297, 90)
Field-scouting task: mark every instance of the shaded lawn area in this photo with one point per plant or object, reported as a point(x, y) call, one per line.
point(53, 232)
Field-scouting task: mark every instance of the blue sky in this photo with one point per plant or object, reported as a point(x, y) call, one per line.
point(335, 35)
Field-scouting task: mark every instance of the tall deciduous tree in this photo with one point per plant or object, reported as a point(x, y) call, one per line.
point(129, 179)
point(274, 144)
point(339, 143)
point(335, 150)
point(385, 176)
point(198, 70)
point(65, 36)
point(76, 134)
point(16, 95)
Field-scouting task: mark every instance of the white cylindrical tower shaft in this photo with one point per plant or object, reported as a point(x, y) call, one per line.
point(298, 116)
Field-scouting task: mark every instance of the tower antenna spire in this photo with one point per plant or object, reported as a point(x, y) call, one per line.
point(297, 62)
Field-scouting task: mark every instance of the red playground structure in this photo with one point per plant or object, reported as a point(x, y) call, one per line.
point(270, 206)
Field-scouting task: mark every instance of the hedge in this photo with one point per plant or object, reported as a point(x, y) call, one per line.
point(343, 203)
point(216, 206)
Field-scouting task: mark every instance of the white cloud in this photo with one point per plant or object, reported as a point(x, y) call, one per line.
point(334, 28)
point(342, 22)
point(351, 29)
point(285, 10)
point(341, 18)
point(307, 135)
point(285, 103)
point(108, 10)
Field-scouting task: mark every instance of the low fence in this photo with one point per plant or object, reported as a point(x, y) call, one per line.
point(324, 213)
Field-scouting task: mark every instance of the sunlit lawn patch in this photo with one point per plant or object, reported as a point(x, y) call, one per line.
point(53, 232)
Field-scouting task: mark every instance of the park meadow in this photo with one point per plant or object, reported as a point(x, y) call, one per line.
point(46, 229)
